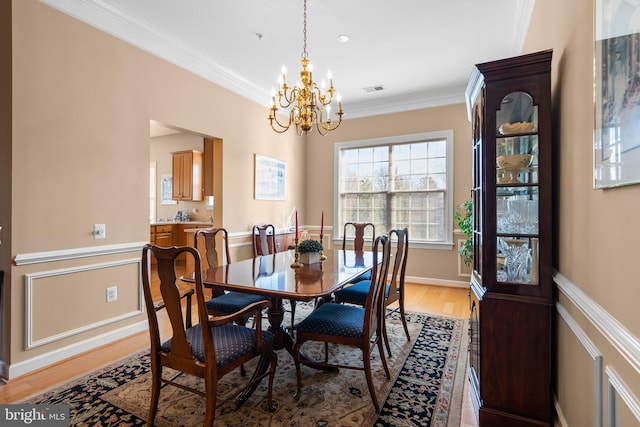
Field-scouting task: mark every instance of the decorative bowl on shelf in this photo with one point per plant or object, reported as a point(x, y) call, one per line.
point(514, 161)
point(518, 127)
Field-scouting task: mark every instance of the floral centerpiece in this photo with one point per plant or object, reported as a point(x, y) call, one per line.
point(310, 251)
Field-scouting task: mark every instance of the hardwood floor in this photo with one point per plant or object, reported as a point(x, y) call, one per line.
point(440, 300)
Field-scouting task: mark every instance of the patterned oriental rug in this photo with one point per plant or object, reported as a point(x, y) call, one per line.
point(425, 389)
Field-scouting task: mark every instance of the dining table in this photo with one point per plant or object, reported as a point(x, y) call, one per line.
point(276, 277)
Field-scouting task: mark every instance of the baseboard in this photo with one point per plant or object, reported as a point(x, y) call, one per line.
point(21, 368)
point(437, 282)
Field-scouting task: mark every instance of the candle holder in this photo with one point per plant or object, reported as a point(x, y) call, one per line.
point(323, 257)
point(296, 263)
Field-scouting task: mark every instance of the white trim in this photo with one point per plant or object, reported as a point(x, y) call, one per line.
point(560, 420)
point(620, 337)
point(48, 359)
point(112, 20)
point(140, 33)
point(617, 387)
point(525, 7)
point(437, 282)
point(28, 321)
point(66, 254)
point(596, 356)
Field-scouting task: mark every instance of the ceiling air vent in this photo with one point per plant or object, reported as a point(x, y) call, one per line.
point(374, 88)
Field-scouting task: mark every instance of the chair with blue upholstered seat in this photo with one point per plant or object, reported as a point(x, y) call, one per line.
point(222, 302)
point(349, 325)
point(210, 349)
point(357, 293)
point(357, 231)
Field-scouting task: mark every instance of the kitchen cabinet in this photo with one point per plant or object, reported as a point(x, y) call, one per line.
point(187, 169)
point(511, 289)
point(161, 235)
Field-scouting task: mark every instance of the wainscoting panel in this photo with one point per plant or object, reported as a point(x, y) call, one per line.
point(620, 407)
point(66, 302)
point(616, 387)
point(596, 356)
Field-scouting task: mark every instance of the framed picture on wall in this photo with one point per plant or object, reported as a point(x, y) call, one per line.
point(269, 178)
point(617, 93)
point(166, 186)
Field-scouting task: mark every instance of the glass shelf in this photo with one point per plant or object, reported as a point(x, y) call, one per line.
point(517, 260)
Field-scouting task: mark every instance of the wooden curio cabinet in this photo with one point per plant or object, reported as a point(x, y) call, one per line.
point(509, 103)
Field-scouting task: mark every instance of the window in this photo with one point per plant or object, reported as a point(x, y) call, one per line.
point(397, 182)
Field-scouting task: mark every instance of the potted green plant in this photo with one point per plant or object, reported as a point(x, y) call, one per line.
point(464, 218)
point(310, 251)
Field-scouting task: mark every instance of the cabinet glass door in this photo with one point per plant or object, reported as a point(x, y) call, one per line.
point(517, 190)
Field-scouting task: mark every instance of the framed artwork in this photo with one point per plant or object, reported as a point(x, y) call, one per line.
point(269, 179)
point(617, 93)
point(166, 187)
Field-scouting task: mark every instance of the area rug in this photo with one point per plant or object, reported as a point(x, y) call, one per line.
point(425, 388)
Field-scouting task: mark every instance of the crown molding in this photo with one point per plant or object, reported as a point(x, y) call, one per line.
point(140, 33)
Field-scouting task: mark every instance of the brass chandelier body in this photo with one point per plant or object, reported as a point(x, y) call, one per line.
point(310, 104)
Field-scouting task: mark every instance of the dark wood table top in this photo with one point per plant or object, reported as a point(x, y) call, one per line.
point(273, 276)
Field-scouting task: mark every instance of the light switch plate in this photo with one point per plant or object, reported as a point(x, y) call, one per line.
point(99, 231)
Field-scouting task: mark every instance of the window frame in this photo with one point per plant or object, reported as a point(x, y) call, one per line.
point(446, 135)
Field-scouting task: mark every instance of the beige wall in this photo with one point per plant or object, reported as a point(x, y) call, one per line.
point(597, 240)
point(82, 101)
point(429, 265)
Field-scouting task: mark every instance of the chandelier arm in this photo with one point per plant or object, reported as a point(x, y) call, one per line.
point(290, 99)
point(281, 126)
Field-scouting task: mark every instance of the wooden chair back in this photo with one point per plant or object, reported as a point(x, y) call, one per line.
point(359, 230)
point(264, 239)
point(399, 254)
point(374, 305)
point(214, 238)
point(181, 355)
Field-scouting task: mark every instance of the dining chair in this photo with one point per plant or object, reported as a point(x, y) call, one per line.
point(262, 243)
point(349, 325)
point(265, 245)
point(222, 302)
point(210, 349)
point(357, 293)
point(359, 229)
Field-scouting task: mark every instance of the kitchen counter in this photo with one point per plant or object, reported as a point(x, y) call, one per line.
point(204, 222)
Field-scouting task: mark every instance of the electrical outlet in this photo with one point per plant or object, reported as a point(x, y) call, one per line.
point(99, 231)
point(112, 294)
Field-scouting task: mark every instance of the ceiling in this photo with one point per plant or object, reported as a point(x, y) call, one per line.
point(421, 52)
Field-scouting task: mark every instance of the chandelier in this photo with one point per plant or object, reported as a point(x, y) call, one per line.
point(310, 104)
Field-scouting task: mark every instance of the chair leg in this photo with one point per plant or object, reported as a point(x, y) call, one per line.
point(293, 316)
point(272, 373)
point(385, 336)
point(296, 359)
point(156, 375)
point(367, 370)
point(383, 358)
point(211, 388)
point(404, 320)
